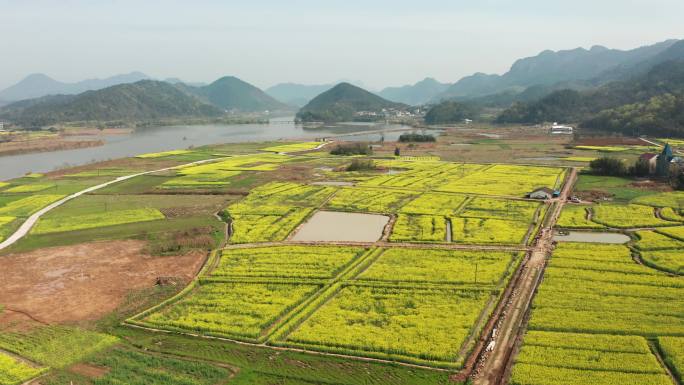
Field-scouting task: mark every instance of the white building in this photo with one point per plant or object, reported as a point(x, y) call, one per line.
point(541, 193)
point(559, 129)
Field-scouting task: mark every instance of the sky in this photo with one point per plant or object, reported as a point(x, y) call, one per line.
point(377, 43)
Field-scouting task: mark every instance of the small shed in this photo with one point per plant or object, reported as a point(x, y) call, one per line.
point(541, 193)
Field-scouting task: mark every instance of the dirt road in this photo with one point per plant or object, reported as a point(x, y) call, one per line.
point(495, 363)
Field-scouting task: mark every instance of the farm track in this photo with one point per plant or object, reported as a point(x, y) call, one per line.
point(382, 244)
point(496, 361)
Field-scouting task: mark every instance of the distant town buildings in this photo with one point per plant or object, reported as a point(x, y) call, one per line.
point(559, 129)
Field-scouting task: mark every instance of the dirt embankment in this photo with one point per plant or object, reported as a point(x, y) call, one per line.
point(83, 282)
point(45, 145)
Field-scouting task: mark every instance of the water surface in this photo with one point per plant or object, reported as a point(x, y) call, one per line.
point(334, 226)
point(592, 237)
point(156, 139)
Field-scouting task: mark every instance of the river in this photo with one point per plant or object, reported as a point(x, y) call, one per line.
point(180, 137)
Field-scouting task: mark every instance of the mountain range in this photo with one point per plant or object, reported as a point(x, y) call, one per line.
point(37, 85)
point(575, 68)
point(141, 101)
point(542, 81)
point(416, 94)
point(651, 103)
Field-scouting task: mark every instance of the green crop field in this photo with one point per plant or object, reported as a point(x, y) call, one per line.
point(627, 216)
point(29, 188)
point(256, 295)
point(673, 350)
point(668, 260)
point(439, 266)
point(87, 221)
point(369, 200)
point(15, 372)
point(674, 232)
point(24, 207)
point(668, 199)
point(55, 346)
point(136, 368)
point(614, 305)
point(506, 180)
point(652, 240)
point(419, 228)
point(286, 262)
point(428, 325)
point(488, 231)
point(164, 154)
point(575, 217)
point(435, 204)
point(294, 147)
point(238, 310)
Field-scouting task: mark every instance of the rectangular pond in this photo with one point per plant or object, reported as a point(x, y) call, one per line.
point(335, 226)
point(592, 237)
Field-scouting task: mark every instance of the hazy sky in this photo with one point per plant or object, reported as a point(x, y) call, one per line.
point(380, 43)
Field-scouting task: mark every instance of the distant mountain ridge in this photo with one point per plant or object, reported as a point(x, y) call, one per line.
point(143, 100)
point(342, 103)
point(651, 103)
point(598, 65)
point(297, 94)
point(38, 85)
point(416, 94)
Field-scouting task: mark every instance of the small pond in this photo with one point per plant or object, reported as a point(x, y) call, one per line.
point(342, 227)
point(592, 237)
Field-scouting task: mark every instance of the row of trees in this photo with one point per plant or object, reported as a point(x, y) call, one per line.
point(609, 166)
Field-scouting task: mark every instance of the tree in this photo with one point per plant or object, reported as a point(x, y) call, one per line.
point(640, 168)
point(608, 166)
point(451, 112)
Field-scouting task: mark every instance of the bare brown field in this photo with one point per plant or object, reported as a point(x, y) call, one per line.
point(84, 282)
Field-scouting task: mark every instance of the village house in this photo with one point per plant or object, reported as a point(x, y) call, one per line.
point(651, 159)
point(541, 193)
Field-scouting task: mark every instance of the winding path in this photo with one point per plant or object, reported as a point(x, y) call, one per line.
point(28, 224)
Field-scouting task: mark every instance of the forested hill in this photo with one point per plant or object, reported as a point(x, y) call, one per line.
point(143, 100)
point(232, 94)
point(342, 103)
point(597, 65)
point(652, 103)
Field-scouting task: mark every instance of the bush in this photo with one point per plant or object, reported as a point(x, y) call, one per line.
point(352, 149)
point(361, 165)
point(416, 137)
point(608, 166)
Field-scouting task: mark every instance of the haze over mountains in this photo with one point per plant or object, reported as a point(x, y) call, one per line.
point(528, 81)
point(37, 85)
point(143, 100)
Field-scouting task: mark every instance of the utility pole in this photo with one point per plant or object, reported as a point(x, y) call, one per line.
point(476, 273)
